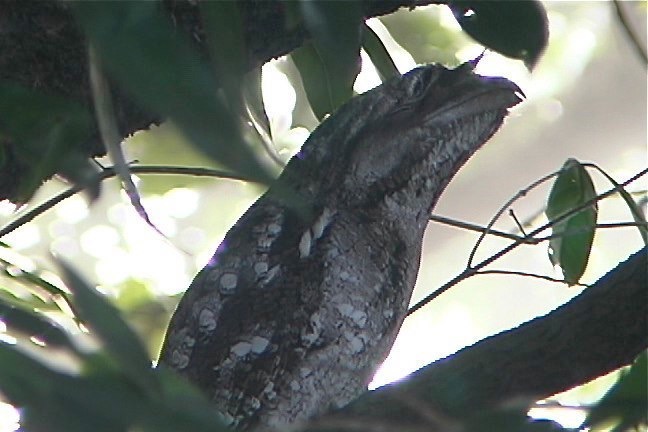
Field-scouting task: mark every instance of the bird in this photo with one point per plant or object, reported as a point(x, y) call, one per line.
point(303, 299)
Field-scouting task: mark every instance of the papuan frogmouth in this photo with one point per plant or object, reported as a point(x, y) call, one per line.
point(300, 304)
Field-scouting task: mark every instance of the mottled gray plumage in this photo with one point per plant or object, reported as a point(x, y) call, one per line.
point(298, 307)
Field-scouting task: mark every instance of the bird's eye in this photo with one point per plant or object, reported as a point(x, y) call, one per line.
point(419, 86)
point(423, 79)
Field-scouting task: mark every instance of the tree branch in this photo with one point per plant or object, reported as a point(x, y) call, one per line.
point(600, 330)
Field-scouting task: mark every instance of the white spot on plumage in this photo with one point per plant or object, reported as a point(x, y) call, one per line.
point(259, 344)
point(356, 344)
point(321, 223)
point(310, 335)
point(345, 309)
point(179, 360)
point(188, 342)
point(294, 385)
point(359, 317)
point(242, 348)
point(274, 228)
point(260, 267)
point(270, 274)
point(305, 244)
point(228, 282)
point(207, 320)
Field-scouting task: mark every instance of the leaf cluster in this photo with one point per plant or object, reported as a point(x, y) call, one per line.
point(154, 62)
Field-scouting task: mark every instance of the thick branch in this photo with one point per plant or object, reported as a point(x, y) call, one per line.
point(601, 330)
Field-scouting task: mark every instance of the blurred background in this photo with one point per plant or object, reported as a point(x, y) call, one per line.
point(586, 99)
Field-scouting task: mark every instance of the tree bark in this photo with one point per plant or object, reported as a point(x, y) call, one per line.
point(602, 329)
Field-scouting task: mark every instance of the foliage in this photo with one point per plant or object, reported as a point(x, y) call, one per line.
point(109, 390)
point(113, 387)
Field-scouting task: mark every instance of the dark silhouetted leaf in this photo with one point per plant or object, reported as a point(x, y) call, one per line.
point(378, 53)
point(32, 324)
point(147, 56)
point(625, 402)
point(226, 43)
point(103, 400)
point(517, 29)
point(570, 248)
point(184, 408)
point(47, 131)
point(30, 278)
point(82, 172)
point(315, 79)
point(330, 63)
point(105, 320)
point(24, 380)
point(55, 401)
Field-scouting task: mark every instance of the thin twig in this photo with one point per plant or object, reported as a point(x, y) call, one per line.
point(470, 271)
point(641, 200)
point(526, 274)
point(517, 222)
point(526, 239)
point(597, 226)
point(630, 33)
point(108, 173)
point(502, 209)
point(477, 228)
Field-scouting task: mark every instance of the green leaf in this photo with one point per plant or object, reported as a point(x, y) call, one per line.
point(30, 301)
point(330, 64)
point(378, 54)
point(118, 338)
point(30, 278)
point(48, 132)
point(53, 401)
point(23, 379)
point(315, 78)
point(102, 401)
point(517, 29)
point(573, 235)
point(625, 402)
point(159, 67)
point(183, 406)
point(226, 42)
point(82, 172)
point(32, 324)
